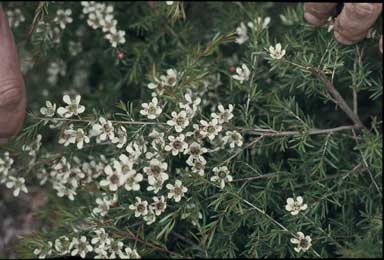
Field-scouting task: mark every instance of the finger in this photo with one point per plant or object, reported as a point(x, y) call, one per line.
point(318, 13)
point(12, 90)
point(354, 21)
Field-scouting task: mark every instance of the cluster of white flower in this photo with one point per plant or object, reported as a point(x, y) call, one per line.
point(67, 176)
point(101, 16)
point(101, 244)
point(7, 176)
point(15, 17)
point(258, 24)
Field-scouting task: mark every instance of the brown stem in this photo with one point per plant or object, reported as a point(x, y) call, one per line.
point(336, 95)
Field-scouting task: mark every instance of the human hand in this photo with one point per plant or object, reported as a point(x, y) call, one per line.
point(12, 90)
point(351, 25)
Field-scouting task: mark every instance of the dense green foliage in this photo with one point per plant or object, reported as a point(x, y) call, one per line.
point(280, 112)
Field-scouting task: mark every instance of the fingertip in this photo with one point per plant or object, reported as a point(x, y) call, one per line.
point(310, 18)
point(341, 39)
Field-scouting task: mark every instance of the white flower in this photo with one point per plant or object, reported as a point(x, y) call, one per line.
point(176, 191)
point(101, 253)
point(210, 129)
point(115, 178)
point(169, 2)
point(276, 52)
point(177, 144)
point(259, 23)
point(140, 207)
point(233, 138)
point(170, 79)
point(198, 165)
point(103, 206)
point(132, 180)
point(77, 136)
point(243, 74)
point(101, 238)
point(195, 152)
point(295, 206)
point(190, 105)
point(15, 17)
point(130, 254)
point(242, 34)
point(116, 37)
point(151, 110)
point(63, 17)
point(104, 130)
point(34, 147)
point(80, 247)
point(108, 24)
point(62, 245)
point(5, 165)
point(158, 140)
point(156, 171)
point(155, 184)
point(49, 110)
point(18, 184)
point(179, 120)
point(224, 115)
point(150, 218)
point(115, 249)
point(159, 205)
point(303, 242)
point(222, 176)
point(73, 108)
point(159, 87)
point(121, 137)
point(42, 253)
point(133, 151)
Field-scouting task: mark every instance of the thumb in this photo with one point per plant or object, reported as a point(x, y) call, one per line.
point(12, 90)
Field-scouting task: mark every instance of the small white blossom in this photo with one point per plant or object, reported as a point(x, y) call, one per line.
point(101, 238)
point(233, 138)
point(190, 105)
point(243, 74)
point(103, 205)
point(17, 184)
point(49, 110)
point(210, 129)
point(115, 249)
point(222, 176)
point(104, 130)
point(276, 52)
point(170, 79)
point(130, 254)
point(198, 166)
point(80, 247)
point(303, 242)
point(159, 205)
point(121, 137)
point(63, 17)
point(156, 171)
point(195, 152)
point(133, 180)
point(140, 207)
point(116, 37)
point(73, 108)
point(152, 110)
point(242, 34)
point(176, 191)
point(115, 178)
point(176, 144)
point(108, 24)
point(62, 245)
point(77, 136)
point(169, 2)
point(179, 121)
point(295, 206)
point(224, 115)
point(44, 252)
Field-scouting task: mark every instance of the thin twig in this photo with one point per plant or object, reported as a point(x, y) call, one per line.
point(94, 120)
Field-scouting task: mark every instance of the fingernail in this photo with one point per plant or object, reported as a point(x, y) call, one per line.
point(3, 140)
point(313, 19)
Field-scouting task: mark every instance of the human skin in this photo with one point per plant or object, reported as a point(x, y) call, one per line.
point(351, 26)
point(12, 90)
